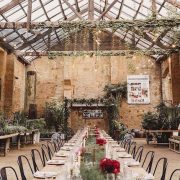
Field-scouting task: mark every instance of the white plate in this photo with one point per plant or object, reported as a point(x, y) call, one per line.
point(124, 155)
point(133, 163)
point(55, 162)
point(40, 174)
point(60, 155)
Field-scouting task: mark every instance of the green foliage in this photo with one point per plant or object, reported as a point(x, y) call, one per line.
point(91, 172)
point(117, 91)
point(20, 118)
point(56, 116)
point(88, 170)
point(150, 121)
point(164, 118)
point(10, 129)
point(121, 127)
point(36, 124)
point(114, 95)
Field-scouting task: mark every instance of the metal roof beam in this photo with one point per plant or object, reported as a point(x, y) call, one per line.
point(74, 10)
point(174, 3)
point(10, 5)
point(109, 7)
point(147, 23)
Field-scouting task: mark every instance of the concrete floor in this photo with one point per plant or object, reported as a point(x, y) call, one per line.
point(160, 151)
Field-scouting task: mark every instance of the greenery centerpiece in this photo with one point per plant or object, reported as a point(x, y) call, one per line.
point(94, 165)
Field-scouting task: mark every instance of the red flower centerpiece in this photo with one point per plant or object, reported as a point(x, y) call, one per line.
point(100, 141)
point(110, 166)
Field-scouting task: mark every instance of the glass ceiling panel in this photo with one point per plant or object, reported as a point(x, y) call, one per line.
point(4, 3)
point(52, 7)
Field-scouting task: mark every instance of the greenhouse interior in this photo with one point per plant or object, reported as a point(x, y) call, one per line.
point(90, 89)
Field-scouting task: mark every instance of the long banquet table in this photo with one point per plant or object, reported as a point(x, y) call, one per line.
point(130, 169)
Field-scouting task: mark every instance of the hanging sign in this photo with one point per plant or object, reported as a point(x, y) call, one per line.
point(91, 114)
point(138, 89)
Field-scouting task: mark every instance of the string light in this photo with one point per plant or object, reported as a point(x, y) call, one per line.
point(173, 45)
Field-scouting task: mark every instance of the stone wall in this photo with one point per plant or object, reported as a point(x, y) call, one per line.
point(12, 75)
point(85, 77)
point(171, 79)
point(2, 77)
point(175, 78)
point(19, 86)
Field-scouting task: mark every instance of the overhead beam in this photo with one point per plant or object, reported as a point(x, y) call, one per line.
point(174, 3)
point(74, 10)
point(96, 53)
point(77, 6)
point(91, 10)
point(62, 10)
point(158, 40)
point(40, 36)
point(29, 13)
point(154, 9)
point(42, 6)
point(120, 9)
point(148, 23)
point(137, 11)
point(108, 8)
point(10, 5)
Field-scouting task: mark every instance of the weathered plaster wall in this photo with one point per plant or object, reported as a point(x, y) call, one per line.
point(12, 74)
point(2, 77)
point(85, 77)
point(175, 78)
point(19, 86)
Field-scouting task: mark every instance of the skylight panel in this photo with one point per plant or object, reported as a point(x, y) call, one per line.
point(125, 15)
point(35, 5)
point(128, 10)
point(4, 3)
point(15, 16)
point(140, 46)
point(51, 5)
point(12, 11)
point(53, 11)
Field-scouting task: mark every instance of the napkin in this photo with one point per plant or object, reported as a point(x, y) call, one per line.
point(41, 174)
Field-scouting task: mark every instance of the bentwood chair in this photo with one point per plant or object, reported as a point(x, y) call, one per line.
point(175, 175)
point(5, 173)
point(138, 153)
point(61, 142)
point(37, 159)
point(46, 153)
point(132, 149)
point(131, 146)
point(51, 147)
point(21, 160)
point(162, 165)
point(148, 161)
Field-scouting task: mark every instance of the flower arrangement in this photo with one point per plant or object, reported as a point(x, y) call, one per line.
point(109, 166)
point(101, 141)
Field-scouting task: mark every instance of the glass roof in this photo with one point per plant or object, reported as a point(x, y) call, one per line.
point(58, 10)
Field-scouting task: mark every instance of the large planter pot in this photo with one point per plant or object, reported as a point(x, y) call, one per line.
point(36, 138)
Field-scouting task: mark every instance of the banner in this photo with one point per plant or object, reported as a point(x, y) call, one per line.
point(138, 89)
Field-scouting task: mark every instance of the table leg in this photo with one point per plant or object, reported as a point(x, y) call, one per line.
point(18, 142)
point(6, 146)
